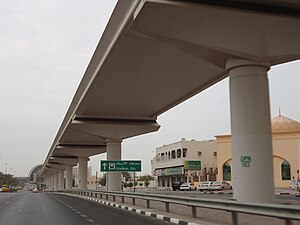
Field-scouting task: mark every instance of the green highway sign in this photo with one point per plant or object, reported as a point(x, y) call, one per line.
point(120, 166)
point(192, 164)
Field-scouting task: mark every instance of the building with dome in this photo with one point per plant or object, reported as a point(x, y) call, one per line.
point(286, 152)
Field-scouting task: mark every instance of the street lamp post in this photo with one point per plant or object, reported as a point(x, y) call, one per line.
point(6, 168)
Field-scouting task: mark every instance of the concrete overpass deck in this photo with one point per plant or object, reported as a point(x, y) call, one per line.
point(155, 54)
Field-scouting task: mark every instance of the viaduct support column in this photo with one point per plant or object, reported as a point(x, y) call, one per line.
point(50, 182)
point(69, 177)
point(60, 180)
point(253, 178)
point(113, 182)
point(56, 181)
point(82, 172)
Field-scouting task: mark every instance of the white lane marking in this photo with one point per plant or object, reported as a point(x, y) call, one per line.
point(7, 203)
point(85, 216)
point(90, 220)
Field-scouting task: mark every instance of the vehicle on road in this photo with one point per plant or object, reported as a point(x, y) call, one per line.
point(176, 185)
point(204, 186)
point(220, 185)
point(35, 190)
point(187, 187)
point(5, 188)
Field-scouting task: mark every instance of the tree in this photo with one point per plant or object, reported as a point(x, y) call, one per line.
point(7, 179)
point(146, 177)
point(103, 180)
point(130, 184)
point(147, 183)
point(126, 175)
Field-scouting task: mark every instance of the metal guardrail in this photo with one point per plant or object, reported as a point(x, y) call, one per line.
point(284, 212)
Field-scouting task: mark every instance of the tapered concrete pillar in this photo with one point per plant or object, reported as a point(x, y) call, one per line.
point(113, 182)
point(52, 181)
point(251, 131)
point(48, 182)
point(82, 172)
point(56, 181)
point(60, 180)
point(69, 177)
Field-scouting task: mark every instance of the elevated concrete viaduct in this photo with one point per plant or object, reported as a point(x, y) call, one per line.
point(155, 54)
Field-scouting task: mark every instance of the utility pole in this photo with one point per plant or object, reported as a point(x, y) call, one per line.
point(96, 179)
point(134, 181)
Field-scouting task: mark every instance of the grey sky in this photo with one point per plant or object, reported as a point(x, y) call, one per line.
point(45, 47)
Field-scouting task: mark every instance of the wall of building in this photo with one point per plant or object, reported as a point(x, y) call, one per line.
point(285, 147)
point(174, 161)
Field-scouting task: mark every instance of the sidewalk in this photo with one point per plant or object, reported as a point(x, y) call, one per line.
point(286, 191)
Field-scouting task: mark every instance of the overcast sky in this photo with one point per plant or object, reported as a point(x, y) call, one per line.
point(45, 47)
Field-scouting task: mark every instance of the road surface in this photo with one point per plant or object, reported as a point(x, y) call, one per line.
point(27, 208)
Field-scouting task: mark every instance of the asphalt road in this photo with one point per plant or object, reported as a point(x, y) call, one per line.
point(27, 208)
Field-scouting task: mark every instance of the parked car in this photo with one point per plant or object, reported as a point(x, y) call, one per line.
point(187, 187)
point(35, 190)
point(176, 185)
point(204, 186)
point(220, 185)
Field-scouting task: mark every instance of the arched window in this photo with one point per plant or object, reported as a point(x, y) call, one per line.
point(285, 170)
point(226, 172)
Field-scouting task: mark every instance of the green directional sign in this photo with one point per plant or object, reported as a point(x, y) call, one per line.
point(120, 166)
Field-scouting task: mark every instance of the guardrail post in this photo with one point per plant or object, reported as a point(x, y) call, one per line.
point(101, 196)
point(122, 199)
point(194, 211)
point(114, 198)
point(106, 196)
point(288, 222)
point(96, 195)
point(167, 206)
point(133, 201)
point(234, 218)
point(148, 203)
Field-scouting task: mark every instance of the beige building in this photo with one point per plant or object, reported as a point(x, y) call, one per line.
point(286, 152)
point(189, 161)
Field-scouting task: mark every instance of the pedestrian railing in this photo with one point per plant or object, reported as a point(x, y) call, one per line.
point(285, 212)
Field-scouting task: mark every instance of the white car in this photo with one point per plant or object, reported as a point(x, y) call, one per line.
point(35, 190)
point(186, 187)
point(220, 185)
point(204, 186)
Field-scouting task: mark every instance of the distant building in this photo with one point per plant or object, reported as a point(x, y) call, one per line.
point(286, 152)
point(189, 161)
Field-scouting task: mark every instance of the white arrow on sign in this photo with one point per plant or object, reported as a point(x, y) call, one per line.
point(104, 166)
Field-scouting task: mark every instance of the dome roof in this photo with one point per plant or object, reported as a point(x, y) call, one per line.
point(284, 124)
